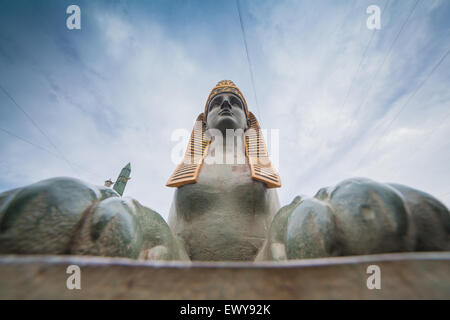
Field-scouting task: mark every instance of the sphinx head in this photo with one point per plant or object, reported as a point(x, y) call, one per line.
point(226, 111)
point(226, 108)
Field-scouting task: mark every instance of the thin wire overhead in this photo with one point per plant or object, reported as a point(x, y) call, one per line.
point(405, 104)
point(426, 139)
point(360, 62)
point(46, 150)
point(36, 126)
point(29, 142)
point(248, 58)
point(384, 59)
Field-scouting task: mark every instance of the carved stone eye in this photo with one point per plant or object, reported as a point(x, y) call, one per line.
point(235, 102)
point(215, 102)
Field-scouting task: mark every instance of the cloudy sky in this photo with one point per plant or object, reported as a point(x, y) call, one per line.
point(348, 101)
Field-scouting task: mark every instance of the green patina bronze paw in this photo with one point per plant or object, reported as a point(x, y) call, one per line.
point(68, 216)
point(356, 217)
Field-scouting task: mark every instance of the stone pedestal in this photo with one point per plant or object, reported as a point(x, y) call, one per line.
point(403, 276)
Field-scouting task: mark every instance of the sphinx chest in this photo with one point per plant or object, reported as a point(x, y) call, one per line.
point(224, 216)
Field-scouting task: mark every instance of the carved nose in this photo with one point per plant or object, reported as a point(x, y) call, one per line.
point(225, 104)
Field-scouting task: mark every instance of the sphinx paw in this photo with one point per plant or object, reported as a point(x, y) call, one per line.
point(155, 254)
point(42, 218)
point(122, 227)
point(356, 217)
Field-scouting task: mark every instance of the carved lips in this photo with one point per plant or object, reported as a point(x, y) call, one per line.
point(226, 113)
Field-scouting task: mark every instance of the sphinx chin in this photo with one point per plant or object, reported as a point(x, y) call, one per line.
point(226, 122)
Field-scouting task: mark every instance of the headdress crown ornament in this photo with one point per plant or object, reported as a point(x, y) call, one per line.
point(225, 86)
point(255, 147)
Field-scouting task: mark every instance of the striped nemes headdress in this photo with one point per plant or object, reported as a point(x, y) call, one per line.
point(255, 148)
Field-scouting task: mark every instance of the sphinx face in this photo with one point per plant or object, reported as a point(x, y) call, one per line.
point(226, 111)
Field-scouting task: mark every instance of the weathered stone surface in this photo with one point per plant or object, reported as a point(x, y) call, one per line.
point(274, 247)
point(403, 276)
point(430, 218)
point(360, 216)
point(41, 218)
point(68, 216)
point(226, 215)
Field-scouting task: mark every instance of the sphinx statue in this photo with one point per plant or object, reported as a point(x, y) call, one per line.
point(225, 200)
point(225, 207)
